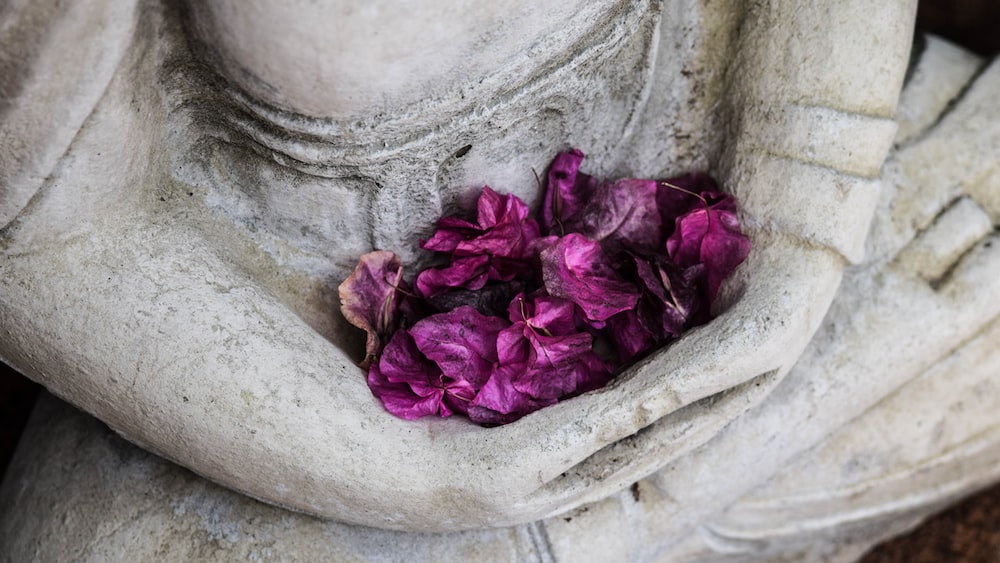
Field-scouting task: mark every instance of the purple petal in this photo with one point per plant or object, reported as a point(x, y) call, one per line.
point(369, 301)
point(463, 343)
point(568, 191)
point(458, 394)
point(400, 399)
point(669, 304)
point(503, 230)
point(551, 315)
point(630, 335)
point(499, 402)
point(470, 272)
point(402, 380)
point(506, 229)
point(680, 194)
point(624, 214)
point(558, 366)
point(710, 236)
point(451, 232)
point(576, 268)
point(672, 294)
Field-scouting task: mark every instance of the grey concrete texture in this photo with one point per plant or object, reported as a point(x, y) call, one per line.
point(172, 269)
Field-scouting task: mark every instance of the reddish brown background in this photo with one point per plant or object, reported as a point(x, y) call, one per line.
point(969, 532)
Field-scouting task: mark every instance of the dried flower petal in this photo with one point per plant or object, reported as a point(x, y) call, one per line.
point(499, 402)
point(668, 305)
point(624, 214)
point(469, 272)
point(711, 236)
point(504, 229)
point(368, 299)
point(410, 386)
point(463, 343)
point(567, 193)
point(576, 268)
point(680, 194)
point(543, 312)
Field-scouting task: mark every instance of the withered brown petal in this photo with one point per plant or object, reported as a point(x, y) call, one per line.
point(369, 300)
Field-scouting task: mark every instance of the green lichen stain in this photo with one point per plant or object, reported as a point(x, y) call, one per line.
point(247, 397)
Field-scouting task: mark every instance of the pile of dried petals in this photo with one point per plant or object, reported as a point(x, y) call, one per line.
point(525, 313)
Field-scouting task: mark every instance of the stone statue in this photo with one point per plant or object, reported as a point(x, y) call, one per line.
point(184, 185)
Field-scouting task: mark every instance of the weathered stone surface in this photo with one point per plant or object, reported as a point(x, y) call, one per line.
point(78, 492)
point(175, 273)
point(890, 413)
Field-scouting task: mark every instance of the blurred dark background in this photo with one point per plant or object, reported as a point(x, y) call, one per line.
point(967, 532)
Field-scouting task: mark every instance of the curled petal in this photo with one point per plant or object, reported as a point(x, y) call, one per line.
point(680, 194)
point(469, 272)
point(576, 269)
point(560, 367)
point(624, 214)
point(631, 334)
point(369, 299)
point(463, 343)
point(568, 191)
point(710, 236)
point(504, 229)
point(499, 402)
point(403, 380)
point(545, 313)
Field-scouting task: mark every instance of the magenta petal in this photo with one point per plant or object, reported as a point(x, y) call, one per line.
point(513, 348)
point(568, 191)
point(672, 292)
point(463, 343)
point(630, 335)
point(499, 402)
point(403, 380)
point(624, 214)
point(457, 395)
point(576, 268)
point(680, 194)
point(710, 236)
point(470, 272)
point(451, 232)
point(402, 362)
point(552, 315)
point(400, 399)
point(559, 366)
point(504, 229)
point(369, 300)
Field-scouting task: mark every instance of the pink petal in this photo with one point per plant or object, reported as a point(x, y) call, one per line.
point(499, 402)
point(552, 315)
point(559, 366)
point(402, 380)
point(625, 214)
point(400, 399)
point(673, 202)
point(710, 236)
point(630, 335)
point(576, 268)
point(469, 272)
point(503, 230)
point(672, 294)
point(567, 192)
point(463, 343)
